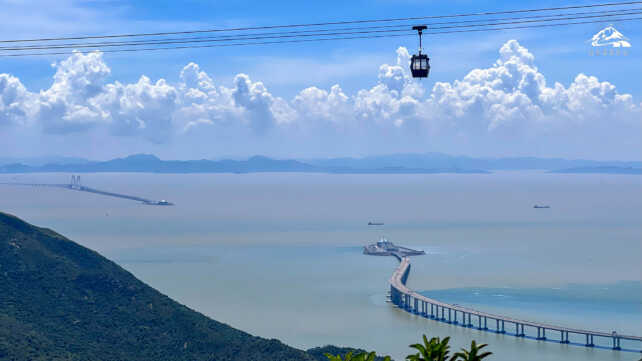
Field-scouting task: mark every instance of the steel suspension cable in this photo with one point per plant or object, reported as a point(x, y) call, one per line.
point(318, 40)
point(223, 40)
point(318, 32)
point(327, 23)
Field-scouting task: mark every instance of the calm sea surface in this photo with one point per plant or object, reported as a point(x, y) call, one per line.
point(279, 255)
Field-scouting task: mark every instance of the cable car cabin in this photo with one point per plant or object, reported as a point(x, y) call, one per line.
point(420, 66)
point(420, 63)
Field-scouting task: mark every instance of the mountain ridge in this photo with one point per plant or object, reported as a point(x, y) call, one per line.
point(62, 301)
point(428, 163)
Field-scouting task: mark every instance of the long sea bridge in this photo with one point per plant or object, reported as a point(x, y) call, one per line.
point(413, 302)
point(75, 185)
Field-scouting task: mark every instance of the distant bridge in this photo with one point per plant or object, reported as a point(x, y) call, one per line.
point(77, 186)
point(415, 303)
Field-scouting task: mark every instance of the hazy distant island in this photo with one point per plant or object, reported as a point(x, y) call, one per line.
point(62, 301)
point(430, 163)
point(601, 170)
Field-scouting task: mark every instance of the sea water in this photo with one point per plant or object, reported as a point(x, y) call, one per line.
point(279, 255)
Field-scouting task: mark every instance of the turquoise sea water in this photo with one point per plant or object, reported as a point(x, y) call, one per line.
point(278, 255)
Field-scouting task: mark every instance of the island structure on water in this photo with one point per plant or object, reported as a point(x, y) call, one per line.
point(386, 248)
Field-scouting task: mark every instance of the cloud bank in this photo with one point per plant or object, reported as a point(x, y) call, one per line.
point(507, 108)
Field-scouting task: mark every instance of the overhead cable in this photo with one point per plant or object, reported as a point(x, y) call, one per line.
point(598, 5)
point(319, 39)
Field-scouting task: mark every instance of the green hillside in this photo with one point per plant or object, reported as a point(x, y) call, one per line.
point(62, 301)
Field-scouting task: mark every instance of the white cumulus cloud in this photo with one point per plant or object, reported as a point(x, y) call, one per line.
point(508, 106)
point(14, 100)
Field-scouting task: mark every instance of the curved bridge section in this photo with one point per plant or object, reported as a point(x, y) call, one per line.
point(415, 303)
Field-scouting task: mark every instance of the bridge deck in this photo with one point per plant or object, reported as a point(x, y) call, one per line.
point(398, 283)
point(82, 188)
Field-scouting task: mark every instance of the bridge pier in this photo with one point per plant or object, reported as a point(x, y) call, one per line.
point(520, 334)
point(589, 341)
point(485, 323)
point(541, 333)
point(616, 343)
point(564, 337)
point(449, 314)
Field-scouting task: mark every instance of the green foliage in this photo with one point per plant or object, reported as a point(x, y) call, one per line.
point(433, 350)
point(62, 301)
point(438, 350)
point(362, 356)
point(321, 353)
point(474, 354)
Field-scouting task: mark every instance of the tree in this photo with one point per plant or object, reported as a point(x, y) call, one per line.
point(331, 357)
point(433, 350)
point(474, 354)
point(372, 356)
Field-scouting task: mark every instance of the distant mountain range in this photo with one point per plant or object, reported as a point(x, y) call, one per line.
point(39, 161)
point(602, 170)
point(384, 164)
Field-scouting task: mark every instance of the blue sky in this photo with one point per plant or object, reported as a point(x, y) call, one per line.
point(560, 54)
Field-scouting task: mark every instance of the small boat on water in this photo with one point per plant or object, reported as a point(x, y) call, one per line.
point(162, 202)
point(375, 223)
point(538, 206)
